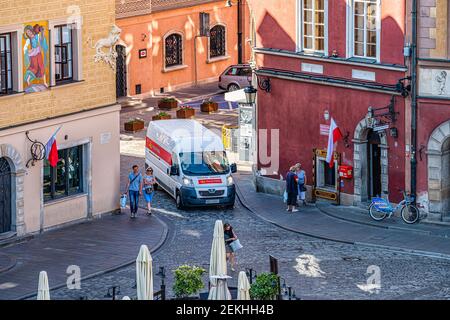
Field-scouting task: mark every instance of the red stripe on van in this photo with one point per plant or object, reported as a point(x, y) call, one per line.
point(209, 181)
point(158, 151)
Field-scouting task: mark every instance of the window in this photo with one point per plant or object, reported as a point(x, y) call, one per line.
point(6, 73)
point(66, 178)
point(313, 18)
point(63, 53)
point(173, 50)
point(365, 37)
point(217, 42)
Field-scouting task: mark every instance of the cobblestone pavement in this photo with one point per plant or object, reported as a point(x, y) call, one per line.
point(316, 269)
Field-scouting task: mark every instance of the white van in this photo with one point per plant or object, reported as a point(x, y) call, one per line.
point(190, 163)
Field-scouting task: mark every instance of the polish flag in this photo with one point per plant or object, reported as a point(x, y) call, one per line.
point(334, 135)
point(51, 150)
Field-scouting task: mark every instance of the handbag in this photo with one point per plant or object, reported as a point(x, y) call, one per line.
point(149, 189)
point(236, 245)
point(123, 201)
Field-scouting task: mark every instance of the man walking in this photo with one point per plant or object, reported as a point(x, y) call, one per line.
point(134, 188)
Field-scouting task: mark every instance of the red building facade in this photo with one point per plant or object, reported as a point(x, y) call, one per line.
point(333, 59)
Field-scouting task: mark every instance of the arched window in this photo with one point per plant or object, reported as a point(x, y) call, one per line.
point(217, 43)
point(173, 50)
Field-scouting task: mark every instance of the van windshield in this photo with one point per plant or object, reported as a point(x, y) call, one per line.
point(204, 163)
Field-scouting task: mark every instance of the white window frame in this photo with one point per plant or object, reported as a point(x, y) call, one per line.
point(351, 31)
point(222, 57)
point(77, 50)
point(16, 32)
point(300, 29)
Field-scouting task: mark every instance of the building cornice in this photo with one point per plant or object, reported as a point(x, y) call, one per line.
point(327, 81)
point(326, 59)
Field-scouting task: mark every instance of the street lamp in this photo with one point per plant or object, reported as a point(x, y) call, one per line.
point(250, 94)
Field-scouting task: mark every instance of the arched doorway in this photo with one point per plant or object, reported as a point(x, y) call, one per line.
point(370, 163)
point(5, 196)
point(121, 71)
point(439, 173)
point(373, 164)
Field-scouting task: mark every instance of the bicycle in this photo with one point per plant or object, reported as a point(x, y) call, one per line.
point(381, 208)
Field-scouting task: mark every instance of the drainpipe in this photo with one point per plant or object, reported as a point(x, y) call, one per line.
point(414, 100)
point(239, 26)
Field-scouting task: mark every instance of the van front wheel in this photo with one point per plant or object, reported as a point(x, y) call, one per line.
point(178, 201)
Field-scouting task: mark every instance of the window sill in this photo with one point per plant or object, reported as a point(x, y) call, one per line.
point(65, 199)
point(11, 95)
point(216, 59)
point(66, 84)
point(175, 68)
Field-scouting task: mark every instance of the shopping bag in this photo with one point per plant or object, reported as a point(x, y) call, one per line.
point(285, 196)
point(236, 245)
point(123, 201)
point(302, 195)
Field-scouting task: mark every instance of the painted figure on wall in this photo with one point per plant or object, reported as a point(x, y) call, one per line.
point(441, 79)
point(36, 57)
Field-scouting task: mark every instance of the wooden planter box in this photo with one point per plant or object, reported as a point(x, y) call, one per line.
point(209, 107)
point(185, 113)
point(167, 105)
point(134, 126)
point(158, 117)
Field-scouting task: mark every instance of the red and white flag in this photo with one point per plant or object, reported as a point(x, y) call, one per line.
point(51, 150)
point(334, 135)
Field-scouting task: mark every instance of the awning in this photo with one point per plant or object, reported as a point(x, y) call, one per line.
point(236, 96)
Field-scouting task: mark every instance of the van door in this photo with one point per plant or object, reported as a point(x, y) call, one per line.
point(174, 182)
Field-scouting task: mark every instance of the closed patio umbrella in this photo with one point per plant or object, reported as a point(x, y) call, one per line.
point(243, 287)
point(43, 289)
point(218, 266)
point(144, 274)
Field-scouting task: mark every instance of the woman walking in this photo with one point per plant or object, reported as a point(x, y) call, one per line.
point(291, 190)
point(149, 190)
point(301, 181)
point(229, 236)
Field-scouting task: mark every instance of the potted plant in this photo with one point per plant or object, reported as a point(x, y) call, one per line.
point(265, 287)
point(168, 103)
point(188, 281)
point(209, 106)
point(162, 116)
point(185, 112)
point(134, 125)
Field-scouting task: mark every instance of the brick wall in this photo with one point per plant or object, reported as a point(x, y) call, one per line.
point(98, 85)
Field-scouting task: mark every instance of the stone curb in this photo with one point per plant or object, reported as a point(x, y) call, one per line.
point(12, 261)
point(390, 248)
point(112, 269)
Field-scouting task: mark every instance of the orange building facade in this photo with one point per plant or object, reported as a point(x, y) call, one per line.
point(162, 49)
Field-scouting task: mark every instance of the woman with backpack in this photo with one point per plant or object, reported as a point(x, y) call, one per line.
point(148, 187)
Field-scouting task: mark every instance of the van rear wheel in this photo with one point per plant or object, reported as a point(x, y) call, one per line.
point(178, 201)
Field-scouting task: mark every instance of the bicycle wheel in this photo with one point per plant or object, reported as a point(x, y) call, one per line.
point(376, 214)
point(410, 214)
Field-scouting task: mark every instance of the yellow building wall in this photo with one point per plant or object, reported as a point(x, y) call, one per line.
point(98, 85)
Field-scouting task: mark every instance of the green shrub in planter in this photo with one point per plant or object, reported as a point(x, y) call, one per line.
point(188, 281)
point(265, 287)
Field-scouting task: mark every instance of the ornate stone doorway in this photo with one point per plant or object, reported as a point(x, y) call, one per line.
point(439, 173)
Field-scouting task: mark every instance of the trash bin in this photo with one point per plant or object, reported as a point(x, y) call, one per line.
point(230, 137)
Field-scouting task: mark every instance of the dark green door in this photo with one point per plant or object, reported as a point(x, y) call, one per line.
point(5, 196)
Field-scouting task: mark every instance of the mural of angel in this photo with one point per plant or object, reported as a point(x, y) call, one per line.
point(441, 79)
point(36, 57)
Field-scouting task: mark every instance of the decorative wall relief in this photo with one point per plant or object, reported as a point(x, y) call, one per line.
point(36, 66)
point(434, 82)
point(108, 57)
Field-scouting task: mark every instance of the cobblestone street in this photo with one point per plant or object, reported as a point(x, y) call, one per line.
point(316, 269)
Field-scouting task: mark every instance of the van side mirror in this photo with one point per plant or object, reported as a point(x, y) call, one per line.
point(174, 171)
point(233, 168)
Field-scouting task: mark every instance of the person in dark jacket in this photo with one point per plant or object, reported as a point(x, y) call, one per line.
point(291, 189)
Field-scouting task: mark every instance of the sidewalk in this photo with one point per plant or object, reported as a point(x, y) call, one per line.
point(95, 246)
point(424, 240)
